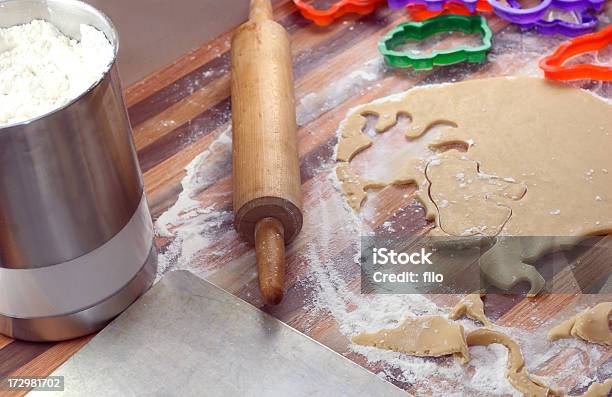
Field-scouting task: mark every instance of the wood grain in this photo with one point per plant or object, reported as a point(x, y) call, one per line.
point(181, 110)
point(4, 341)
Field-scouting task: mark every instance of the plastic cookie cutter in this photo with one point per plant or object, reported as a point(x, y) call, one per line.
point(586, 22)
point(419, 12)
point(519, 15)
point(323, 17)
point(441, 5)
point(513, 12)
point(553, 65)
point(419, 31)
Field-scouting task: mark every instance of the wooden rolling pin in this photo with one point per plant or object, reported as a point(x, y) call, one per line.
point(266, 172)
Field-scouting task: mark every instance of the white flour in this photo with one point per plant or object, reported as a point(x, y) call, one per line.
point(355, 313)
point(186, 221)
point(362, 79)
point(41, 69)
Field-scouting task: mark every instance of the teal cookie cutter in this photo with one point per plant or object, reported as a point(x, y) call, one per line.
point(419, 31)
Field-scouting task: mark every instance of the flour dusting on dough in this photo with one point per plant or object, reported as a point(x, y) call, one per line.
point(498, 172)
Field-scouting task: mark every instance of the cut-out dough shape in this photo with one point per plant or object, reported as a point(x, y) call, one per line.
point(516, 372)
point(591, 325)
point(426, 336)
point(509, 261)
point(552, 139)
point(464, 196)
point(434, 336)
point(505, 264)
point(471, 306)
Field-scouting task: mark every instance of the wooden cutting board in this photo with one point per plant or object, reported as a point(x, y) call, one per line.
point(178, 112)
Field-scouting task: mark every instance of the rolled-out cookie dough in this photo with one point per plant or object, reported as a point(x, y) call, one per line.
point(431, 336)
point(517, 374)
point(471, 306)
point(536, 162)
point(591, 325)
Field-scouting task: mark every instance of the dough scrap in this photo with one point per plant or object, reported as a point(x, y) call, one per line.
point(517, 374)
point(434, 336)
point(430, 336)
point(471, 306)
point(531, 145)
point(599, 389)
point(590, 325)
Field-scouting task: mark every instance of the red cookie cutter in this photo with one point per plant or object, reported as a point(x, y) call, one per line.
point(337, 10)
point(419, 12)
point(553, 67)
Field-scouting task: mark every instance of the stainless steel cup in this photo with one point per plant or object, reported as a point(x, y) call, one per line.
point(76, 237)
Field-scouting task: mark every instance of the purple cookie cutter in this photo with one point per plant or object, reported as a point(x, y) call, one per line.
point(433, 5)
point(520, 16)
point(587, 24)
point(581, 10)
point(525, 16)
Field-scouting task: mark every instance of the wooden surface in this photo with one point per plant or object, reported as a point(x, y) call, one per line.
point(180, 111)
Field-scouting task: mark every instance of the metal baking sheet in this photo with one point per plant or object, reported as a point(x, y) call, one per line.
point(187, 337)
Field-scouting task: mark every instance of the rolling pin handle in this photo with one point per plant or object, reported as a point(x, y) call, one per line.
point(270, 256)
point(261, 10)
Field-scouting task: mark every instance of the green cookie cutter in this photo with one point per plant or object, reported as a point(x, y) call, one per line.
point(422, 30)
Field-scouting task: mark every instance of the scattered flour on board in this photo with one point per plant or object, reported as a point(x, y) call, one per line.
point(355, 313)
point(332, 293)
point(489, 364)
point(313, 104)
point(186, 221)
point(41, 69)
